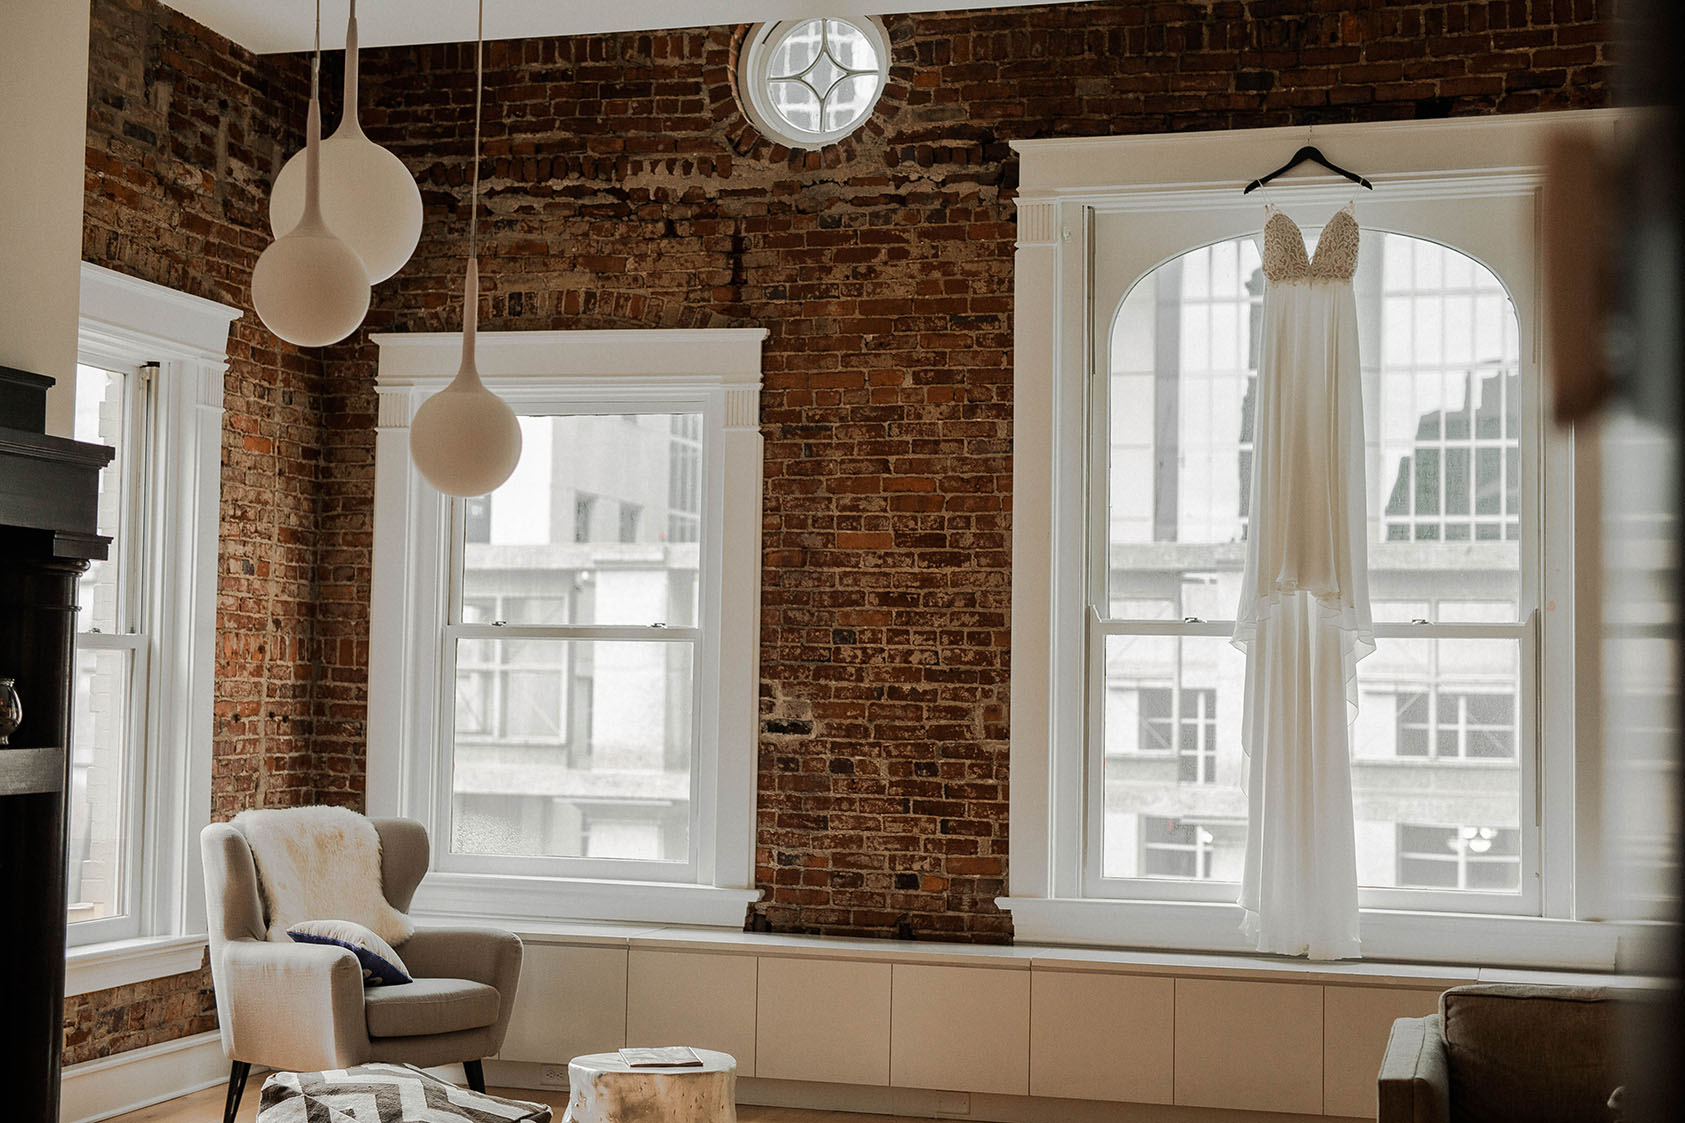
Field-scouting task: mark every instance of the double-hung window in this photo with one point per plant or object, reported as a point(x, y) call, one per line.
point(571, 693)
point(148, 384)
point(1140, 293)
point(113, 662)
point(1452, 551)
point(571, 659)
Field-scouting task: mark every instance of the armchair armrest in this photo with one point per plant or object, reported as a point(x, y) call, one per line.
point(1415, 1081)
point(484, 955)
point(294, 1006)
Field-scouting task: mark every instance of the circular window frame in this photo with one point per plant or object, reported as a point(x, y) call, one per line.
point(759, 46)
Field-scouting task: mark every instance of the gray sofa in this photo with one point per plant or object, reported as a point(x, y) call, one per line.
point(1497, 1052)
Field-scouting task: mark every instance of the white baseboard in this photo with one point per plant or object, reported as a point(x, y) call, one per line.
point(928, 1104)
point(142, 1077)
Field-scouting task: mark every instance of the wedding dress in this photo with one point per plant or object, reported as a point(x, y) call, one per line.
point(1303, 618)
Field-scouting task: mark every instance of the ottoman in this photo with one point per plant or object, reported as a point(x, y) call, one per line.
point(384, 1093)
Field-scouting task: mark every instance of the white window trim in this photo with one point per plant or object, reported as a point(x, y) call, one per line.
point(720, 367)
point(1062, 182)
point(126, 321)
point(752, 79)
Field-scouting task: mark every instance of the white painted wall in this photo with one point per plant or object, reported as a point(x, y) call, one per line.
point(43, 136)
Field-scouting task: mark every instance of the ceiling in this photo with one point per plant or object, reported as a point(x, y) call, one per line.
point(268, 26)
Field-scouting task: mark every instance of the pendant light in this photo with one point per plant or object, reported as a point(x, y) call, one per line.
point(309, 287)
point(368, 196)
point(465, 439)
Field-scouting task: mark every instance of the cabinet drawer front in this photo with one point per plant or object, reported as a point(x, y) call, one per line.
point(1356, 1022)
point(699, 999)
point(1251, 1046)
point(822, 1019)
point(1097, 1036)
point(964, 1028)
point(572, 1000)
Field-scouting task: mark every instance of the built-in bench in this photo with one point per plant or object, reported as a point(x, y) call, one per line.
point(983, 1031)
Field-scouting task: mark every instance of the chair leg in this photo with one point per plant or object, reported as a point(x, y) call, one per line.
point(476, 1075)
point(236, 1088)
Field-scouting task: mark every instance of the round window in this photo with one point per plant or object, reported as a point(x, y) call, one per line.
point(810, 82)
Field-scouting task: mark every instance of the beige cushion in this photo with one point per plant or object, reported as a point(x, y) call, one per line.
point(1538, 1053)
point(429, 1006)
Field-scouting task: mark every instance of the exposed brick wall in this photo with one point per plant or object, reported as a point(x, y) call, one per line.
point(185, 133)
point(627, 189)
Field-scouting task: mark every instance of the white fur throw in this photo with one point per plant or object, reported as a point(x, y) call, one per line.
point(320, 863)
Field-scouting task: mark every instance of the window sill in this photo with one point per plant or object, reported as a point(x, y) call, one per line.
point(462, 896)
point(118, 963)
point(1407, 937)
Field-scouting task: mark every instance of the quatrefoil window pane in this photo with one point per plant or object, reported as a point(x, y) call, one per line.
point(808, 83)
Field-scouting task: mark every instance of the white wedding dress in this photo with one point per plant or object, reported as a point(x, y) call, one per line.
point(1303, 618)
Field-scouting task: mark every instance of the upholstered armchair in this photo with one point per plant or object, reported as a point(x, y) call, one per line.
point(303, 1007)
point(1498, 1051)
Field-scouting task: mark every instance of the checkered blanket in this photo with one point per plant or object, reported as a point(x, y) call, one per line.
point(384, 1093)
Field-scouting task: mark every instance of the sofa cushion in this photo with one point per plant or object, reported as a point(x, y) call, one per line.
point(429, 1006)
point(1537, 1053)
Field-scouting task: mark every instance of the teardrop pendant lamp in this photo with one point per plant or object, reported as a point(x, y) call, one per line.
point(309, 287)
point(368, 196)
point(465, 439)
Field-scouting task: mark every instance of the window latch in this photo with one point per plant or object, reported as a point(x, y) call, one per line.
point(1419, 620)
point(1192, 620)
point(499, 623)
point(658, 625)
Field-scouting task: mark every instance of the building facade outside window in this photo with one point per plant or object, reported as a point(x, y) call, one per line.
point(573, 696)
point(568, 743)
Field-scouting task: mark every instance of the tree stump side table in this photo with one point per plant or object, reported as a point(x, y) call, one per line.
point(602, 1088)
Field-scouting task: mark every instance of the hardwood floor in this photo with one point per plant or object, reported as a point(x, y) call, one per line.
point(206, 1107)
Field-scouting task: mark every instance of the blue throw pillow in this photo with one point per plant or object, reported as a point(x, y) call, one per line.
point(381, 965)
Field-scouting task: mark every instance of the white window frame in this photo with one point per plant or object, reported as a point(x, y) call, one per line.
point(125, 324)
point(753, 78)
point(131, 629)
point(1432, 208)
point(1451, 177)
point(716, 373)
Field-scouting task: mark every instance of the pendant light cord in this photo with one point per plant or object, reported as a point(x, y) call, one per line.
point(479, 97)
point(316, 59)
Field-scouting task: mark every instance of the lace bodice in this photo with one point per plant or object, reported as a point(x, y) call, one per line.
point(1284, 257)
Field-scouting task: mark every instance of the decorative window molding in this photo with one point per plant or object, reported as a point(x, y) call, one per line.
point(1469, 183)
point(710, 374)
point(810, 82)
point(127, 324)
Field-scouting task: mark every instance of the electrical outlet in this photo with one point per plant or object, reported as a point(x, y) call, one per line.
point(553, 1076)
point(953, 1103)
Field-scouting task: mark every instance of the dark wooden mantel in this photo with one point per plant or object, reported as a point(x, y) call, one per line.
point(49, 497)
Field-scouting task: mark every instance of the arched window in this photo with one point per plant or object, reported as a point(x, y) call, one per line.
point(1440, 759)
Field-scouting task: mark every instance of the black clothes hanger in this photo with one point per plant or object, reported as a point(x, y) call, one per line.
point(1314, 154)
